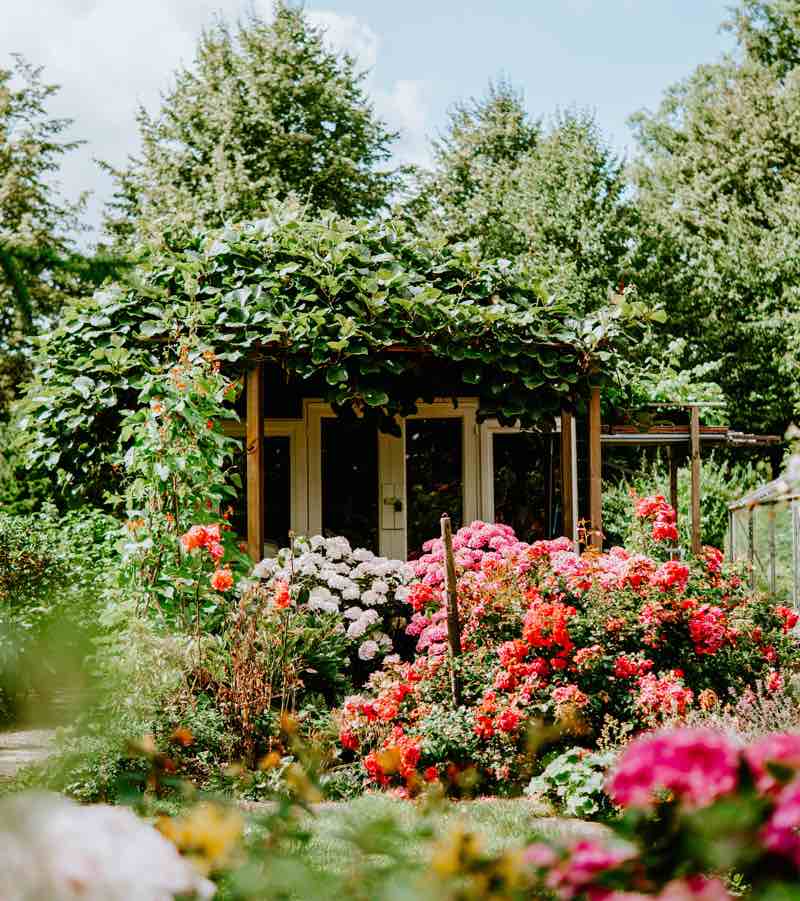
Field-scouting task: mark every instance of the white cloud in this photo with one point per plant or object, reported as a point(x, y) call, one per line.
point(110, 56)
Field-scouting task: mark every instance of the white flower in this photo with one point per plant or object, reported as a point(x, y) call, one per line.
point(361, 553)
point(319, 593)
point(371, 597)
point(265, 568)
point(370, 617)
point(383, 640)
point(401, 593)
point(356, 629)
point(352, 613)
point(380, 586)
point(392, 658)
point(317, 541)
point(368, 650)
point(352, 592)
point(51, 847)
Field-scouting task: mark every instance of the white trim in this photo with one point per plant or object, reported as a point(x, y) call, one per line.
point(295, 431)
point(488, 429)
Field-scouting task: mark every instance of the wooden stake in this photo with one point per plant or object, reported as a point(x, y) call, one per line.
point(695, 436)
point(255, 462)
point(453, 625)
point(595, 471)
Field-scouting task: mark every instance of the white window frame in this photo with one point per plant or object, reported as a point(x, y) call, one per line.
point(295, 431)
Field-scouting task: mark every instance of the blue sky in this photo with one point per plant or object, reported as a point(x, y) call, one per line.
point(611, 56)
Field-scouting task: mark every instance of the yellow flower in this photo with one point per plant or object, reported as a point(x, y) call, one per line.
point(455, 852)
point(297, 779)
point(207, 835)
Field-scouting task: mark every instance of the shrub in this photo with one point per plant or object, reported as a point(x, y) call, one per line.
point(553, 638)
point(574, 782)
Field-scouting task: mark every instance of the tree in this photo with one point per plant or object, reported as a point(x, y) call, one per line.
point(554, 195)
point(266, 111)
point(38, 261)
point(718, 189)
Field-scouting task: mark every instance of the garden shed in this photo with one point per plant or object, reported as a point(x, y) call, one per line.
point(387, 378)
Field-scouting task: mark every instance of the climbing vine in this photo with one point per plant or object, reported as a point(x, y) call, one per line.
point(364, 314)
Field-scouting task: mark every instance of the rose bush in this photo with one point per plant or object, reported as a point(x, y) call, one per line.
point(555, 638)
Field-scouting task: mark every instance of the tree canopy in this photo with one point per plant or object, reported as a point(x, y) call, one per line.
point(718, 191)
point(266, 111)
point(332, 299)
point(553, 194)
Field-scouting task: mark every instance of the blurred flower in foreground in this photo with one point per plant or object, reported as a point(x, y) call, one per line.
point(51, 847)
point(207, 835)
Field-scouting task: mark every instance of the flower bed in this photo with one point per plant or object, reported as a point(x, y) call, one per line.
point(556, 639)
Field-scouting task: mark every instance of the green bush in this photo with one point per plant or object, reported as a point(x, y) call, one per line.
point(573, 782)
point(54, 574)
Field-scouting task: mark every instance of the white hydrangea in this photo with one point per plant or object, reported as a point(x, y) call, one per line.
point(366, 591)
point(368, 649)
point(53, 848)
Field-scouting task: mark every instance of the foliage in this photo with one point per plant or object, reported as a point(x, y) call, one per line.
point(567, 641)
point(723, 480)
point(574, 781)
point(716, 186)
point(331, 298)
point(364, 593)
point(552, 195)
point(176, 460)
point(53, 572)
point(266, 111)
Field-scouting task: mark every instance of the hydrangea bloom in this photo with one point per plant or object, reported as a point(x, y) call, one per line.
point(697, 766)
point(328, 576)
point(781, 834)
point(782, 748)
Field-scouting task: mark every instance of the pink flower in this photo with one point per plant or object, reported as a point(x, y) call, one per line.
point(586, 861)
point(696, 765)
point(665, 695)
point(508, 720)
point(217, 551)
point(708, 628)
point(713, 559)
point(782, 831)
point(782, 748)
point(194, 538)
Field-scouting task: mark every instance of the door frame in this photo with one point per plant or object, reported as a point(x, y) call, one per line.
point(295, 431)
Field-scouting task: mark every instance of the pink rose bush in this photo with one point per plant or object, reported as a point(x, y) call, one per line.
point(686, 794)
point(554, 637)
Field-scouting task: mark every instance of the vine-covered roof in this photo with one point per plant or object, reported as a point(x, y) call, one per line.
point(364, 313)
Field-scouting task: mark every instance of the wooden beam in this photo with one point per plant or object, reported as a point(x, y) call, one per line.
point(567, 482)
point(595, 471)
point(255, 462)
point(695, 438)
point(673, 479)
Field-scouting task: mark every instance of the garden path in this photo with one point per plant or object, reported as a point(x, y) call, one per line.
point(22, 747)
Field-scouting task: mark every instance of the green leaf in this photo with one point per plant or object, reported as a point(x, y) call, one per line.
point(376, 398)
point(335, 374)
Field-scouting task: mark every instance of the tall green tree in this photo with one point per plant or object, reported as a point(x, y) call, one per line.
point(266, 111)
point(553, 194)
point(717, 186)
point(38, 226)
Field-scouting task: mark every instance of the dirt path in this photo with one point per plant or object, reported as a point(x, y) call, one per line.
point(19, 748)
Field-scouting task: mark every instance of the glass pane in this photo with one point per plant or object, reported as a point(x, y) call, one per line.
point(350, 481)
point(527, 485)
point(434, 478)
point(277, 491)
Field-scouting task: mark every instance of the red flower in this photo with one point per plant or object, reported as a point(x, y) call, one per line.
point(281, 597)
point(217, 551)
point(349, 740)
point(508, 720)
point(788, 616)
point(431, 774)
point(484, 727)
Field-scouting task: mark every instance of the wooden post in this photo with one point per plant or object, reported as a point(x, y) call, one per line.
point(595, 471)
point(255, 462)
point(567, 481)
point(453, 625)
point(695, 436)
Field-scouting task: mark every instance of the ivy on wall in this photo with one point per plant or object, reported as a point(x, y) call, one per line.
point(366, 312)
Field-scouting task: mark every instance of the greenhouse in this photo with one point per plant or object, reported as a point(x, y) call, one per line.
point(764, 531)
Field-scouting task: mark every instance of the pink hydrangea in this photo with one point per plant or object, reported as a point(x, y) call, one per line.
point(782, 748)
point(697, 766)
point(671, 574)
point(708, 629)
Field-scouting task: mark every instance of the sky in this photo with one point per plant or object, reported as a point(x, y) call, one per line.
point(609, 56)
